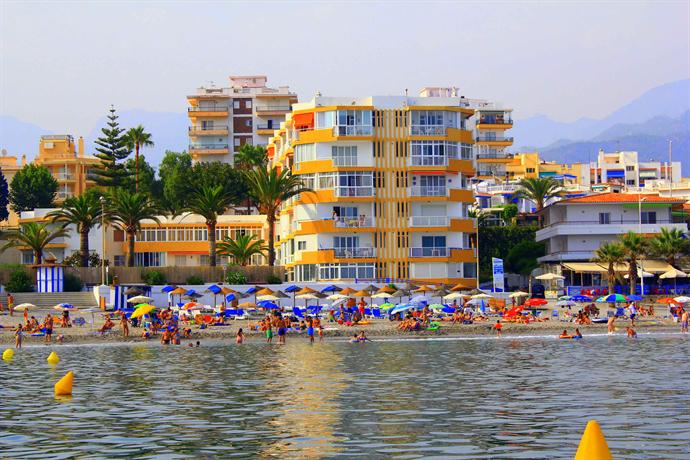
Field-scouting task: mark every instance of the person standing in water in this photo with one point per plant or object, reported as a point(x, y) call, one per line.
point(18, 336)
point(310, 330)
point(631, 332)
point(269, 333)
point(684, 320)
point(239, 339)
point(609, 324)
point(124, 322)
point(498, 326)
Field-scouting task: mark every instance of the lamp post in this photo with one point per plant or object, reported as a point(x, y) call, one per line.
point(639, 230)
point(103, 258)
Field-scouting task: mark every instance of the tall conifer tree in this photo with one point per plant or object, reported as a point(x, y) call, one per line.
point(113, 148)
point(4, 197)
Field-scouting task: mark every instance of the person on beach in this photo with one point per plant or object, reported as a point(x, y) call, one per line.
point(26, 316)
point(107, 325)
point(48, 325)
point(282, 331)
point(239, 338)
point(609, 324)
point(498, 326)
point(165, 337)
point(354, 339)
point(10, 303)
point(18, 336)
point(362, 337)
point(146, 334)
point(578, 334)
point(632, 312)
point(310, 330)
point(320, 333)
point(125, 326)
point(631, 332)
point(269, 333)
point(683, 320)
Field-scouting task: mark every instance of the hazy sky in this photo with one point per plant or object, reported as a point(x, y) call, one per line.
point(64, 63)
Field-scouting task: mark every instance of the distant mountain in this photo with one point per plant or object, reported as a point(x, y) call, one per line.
point(168, 131)
point(19, 137)
point(649, 139)
point(670, 100)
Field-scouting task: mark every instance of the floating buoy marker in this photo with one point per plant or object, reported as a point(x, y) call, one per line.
point(53, 358)
point(8, 354)
point(593, 444)
point(63, 387)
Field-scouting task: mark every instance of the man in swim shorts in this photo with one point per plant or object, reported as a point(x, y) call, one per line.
point(632, 311)
point(48, 324)
point(498, 326)
point(281, 334)
point(310, 331)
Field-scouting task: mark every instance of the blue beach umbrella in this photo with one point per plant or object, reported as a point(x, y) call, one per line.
point(230, 297)
point(292, 288)
point(581, 298)
point(635, 298)
point(330, 288)
point(612, 298)
point(215, 290)
point(268, 305)
point(167, 289)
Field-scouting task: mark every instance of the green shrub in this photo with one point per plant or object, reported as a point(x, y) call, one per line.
point(273, 279)
point(235, 277)
point(20, 281)
point(195, 280)
point(153, 278)
point(72, 283)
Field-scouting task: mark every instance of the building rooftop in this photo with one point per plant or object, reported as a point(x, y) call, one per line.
point(621, 198)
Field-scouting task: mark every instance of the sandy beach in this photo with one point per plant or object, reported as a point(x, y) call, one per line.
point(377, 328)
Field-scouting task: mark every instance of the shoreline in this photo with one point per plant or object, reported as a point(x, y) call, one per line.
point(376, 330)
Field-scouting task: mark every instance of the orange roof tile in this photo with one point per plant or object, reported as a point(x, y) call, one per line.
point(611, 197)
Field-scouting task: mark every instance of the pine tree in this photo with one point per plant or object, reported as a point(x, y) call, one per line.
point(4, 197)
point(112, 148)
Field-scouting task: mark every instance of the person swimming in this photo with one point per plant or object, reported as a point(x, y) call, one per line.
point(565, 335)
point(578, 334)
point(240, 337)
point(631, 332)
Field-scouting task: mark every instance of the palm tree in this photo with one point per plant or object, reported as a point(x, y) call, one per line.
point(669, 244)
point(242, 248)
point(84, 212)
point(634, 248)
point(127, 209)
point(270, 188)
point(34, 235)
point(538, 190)
point(136, 138)
point(210, 202)
point(610, 254)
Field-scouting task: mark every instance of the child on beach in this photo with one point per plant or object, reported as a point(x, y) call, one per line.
point(269, 333)
point(320, 333)
point(240, 337)
point(631, 332)
point(683, 320)
point(18, 336)
point(310, 330)
point(146, 334)
point(498, 326)
point(609, 324)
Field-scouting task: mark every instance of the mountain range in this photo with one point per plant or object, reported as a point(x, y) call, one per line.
point(645, 124)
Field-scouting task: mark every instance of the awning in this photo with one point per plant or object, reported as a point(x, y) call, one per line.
point(585, 267)
point(547, 174)
point(648, 174)
point(303, 120)
point(651, 266)
point(616, 173)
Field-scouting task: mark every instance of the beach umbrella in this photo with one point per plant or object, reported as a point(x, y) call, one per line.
point(267, 297)
point(581, 298)
point(25, 306)
point(564, 297)
point(518, 294)
point(264, 291)
point(309, 296)
point(267, 305)
point(482, 295)
point(475, 292)
point(424, 289)
point(348, 291)
point(564, 303)
point(461, 287)
point(292, 288)
point(167, 289)
point(247, 305)
point(549, 277)
point(673, 274)
point(64, 307)
point(142, 310)
point(139, 299)
point(281, 295)
point(336, 296)
point(454, 295)
point(371, 288)
point(191, 306)
point(178, 291)
point(381, 295)
point(215, 290)
point(133, 290)
point(436, 306)
point(306, 290)
point(226, 290)
point(231, 297)
point(400, 293)
point(331, 288)
point(400, 309)
point(386, 289)
point(666, 300)
point(612, 298)
point(535, 302)
point(682, 299)
point(418, 299)
point(441, 292)
point(475, 302)
point(360, 293)
point(387, 306)
point(640, 273)
point(634, 298)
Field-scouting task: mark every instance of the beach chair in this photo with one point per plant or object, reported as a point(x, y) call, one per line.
point(297, 312)
point(376, 313)
point(554, 314)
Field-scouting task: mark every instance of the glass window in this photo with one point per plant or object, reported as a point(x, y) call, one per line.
point(304, 152)
point(236, 104)
point(344, 155)
point(604, 218)
point(649, 217)
point(247, 104)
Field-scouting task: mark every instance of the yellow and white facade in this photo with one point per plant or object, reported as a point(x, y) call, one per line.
point(391, 179)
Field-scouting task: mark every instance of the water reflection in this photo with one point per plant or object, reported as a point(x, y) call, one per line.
point(448, 399)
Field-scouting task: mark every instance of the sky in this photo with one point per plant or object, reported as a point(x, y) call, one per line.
point(64, 63)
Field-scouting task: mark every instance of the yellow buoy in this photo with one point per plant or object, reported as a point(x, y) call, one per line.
point(8, 354)
point(593, 444)
point(53, 358)
point(63, 387)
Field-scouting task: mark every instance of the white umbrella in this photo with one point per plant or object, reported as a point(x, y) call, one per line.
point(518, 294)
point(92, 311)
point(477, 301)
point(549, 277)
point(673, 273)
point(337, 296)
point(481, 296)
point(381, 295)
point(418, 299)
point(140, 299)
point(65, 307)
point(25, 306)
point(308, 296)
point(454, 295)
point(645, 274)
point(682, 299)
point(566, 303)
point(270, 297)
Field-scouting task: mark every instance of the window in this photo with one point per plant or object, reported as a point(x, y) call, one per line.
point(238, 142)
point(248, 122)
point(433, 241)
point(630, 182)
point(469, 270)
point(27, 257)
point(529, 170)
point(236, 104)
point(203, 259)
point(119, 261)
point(354, 123)
point(344, 155)
point(604, 218)
point(301, 245)
point(304, 152)
point(248, 103)
point(432, 122)
point(180, 261)
point(436, 153)
point(649, 217)
point(630, 168)
point(149, 259)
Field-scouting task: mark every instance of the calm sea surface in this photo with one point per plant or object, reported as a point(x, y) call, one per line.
point(482, 398)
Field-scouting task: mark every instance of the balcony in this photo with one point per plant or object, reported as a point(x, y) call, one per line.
point(64, 177)
point(354, 222)
point(354, 253)
point(354, 191)
point(495, 121)
point(485, 138)
point(208, 130)
point(428, 130)
point(495, 156)
point(504, 188)
point(267, 127)
point(272, 108)
point(209, 149)
point(428, 160)
point(427, 190)
point(430, 252)
point(353, 130)
point(613, 227)
point(429, 221)
point(208, 111)
point(61, 196)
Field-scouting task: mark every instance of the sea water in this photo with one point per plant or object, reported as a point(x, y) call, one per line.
point(527, 397)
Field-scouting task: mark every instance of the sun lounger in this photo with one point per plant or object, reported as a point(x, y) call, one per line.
point(376, 313)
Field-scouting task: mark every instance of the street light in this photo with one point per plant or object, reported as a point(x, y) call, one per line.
point(639, 230)
point(103, 258)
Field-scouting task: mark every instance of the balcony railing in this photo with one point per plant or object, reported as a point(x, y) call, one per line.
point(354, 191)
point(494, 139)
point(273, 108)
point(354, 222)
point(430, 130)
point(495, 121)
point(353, 130)
point(429, 221)
point(619, 221)
point(506, 188)
point(428, 190)
point(201, 129)
point(64, 176)
point(494, 156)
point(64, 195)
point(354, 253)
point(207, 109)
point(430, 252)
point(267, 127)
point(428, 160)
point(344, 161)
point(488, 172)
point(208, 146)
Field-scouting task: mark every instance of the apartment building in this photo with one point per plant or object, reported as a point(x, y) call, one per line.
point(245, 112)
point(625, 168)
point(574, 228)
point(67, 162)
point(391, 179)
